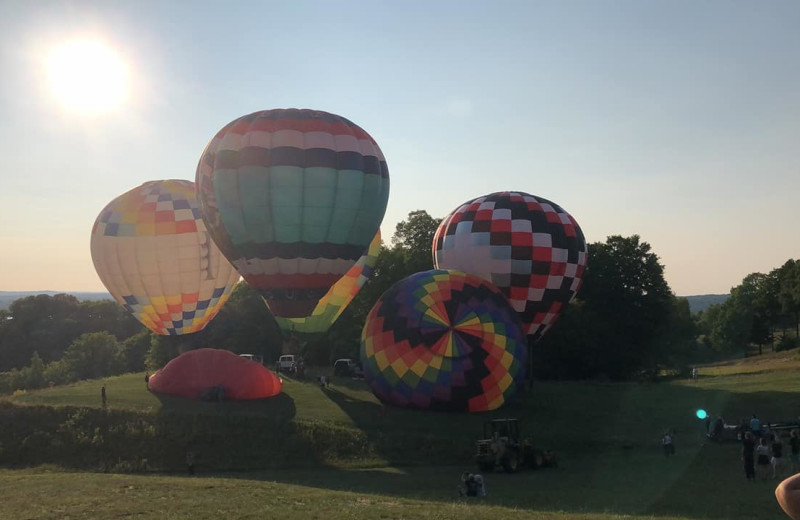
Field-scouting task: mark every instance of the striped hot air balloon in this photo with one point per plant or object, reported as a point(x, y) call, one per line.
point(292, 198)
point(152, 252)
point(338, 297)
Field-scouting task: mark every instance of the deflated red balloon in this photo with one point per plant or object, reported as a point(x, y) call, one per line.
point(194, 373)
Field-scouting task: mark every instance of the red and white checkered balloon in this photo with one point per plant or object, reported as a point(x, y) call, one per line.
point(527, 246)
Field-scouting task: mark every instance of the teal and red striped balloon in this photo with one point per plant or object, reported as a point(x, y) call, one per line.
point(292, 198)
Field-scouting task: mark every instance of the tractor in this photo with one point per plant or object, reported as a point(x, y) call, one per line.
point(501, 446)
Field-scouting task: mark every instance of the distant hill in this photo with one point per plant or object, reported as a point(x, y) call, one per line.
point(702, 302)
point(7, 297)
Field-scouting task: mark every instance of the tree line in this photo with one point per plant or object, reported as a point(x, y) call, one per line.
point(625, 323)
point(764, 309)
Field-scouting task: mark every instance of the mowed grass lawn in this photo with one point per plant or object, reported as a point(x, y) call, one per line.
point(606, 436)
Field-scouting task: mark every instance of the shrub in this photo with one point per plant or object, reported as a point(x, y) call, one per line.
point(786, 343)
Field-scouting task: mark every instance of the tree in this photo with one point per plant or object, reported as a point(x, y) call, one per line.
point(749, 316)
point(41, 323)
point(134, 351)
point(49, 324)
point(414, 238)
point(411, 253)
point(34, 373)
point(619, 326)
point(93, 355)
point(244, 326)
point(789, 293)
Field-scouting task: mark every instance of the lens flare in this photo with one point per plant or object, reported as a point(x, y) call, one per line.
point(87, 76)
point(701, 414)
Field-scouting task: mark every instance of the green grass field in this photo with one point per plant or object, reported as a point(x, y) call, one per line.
point(606, 436)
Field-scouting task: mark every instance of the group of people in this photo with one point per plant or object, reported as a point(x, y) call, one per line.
point(763, 453)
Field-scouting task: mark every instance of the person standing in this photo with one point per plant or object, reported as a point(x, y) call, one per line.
point(777, 455)
point(103, 396)
point(762, 458)
point(668, 444)
point(755, 426)
point(190, 457)
point(748, 456)
point(794, 443)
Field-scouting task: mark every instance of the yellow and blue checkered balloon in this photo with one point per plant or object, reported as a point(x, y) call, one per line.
point(151, 250)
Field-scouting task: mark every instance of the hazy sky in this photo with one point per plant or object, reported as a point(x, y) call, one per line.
point(675, 120)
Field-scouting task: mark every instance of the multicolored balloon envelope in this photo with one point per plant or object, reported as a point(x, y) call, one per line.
point(527, 246)
point(336, 300)
point(292, 198)
point(443, 340)
point(152, 252)
point(200, 372)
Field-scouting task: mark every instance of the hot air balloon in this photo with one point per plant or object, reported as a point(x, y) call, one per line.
point(527, 246)
point(293, 199)
point(151, 250)
point(443, 340)
point(204, 372)
point(338, 297)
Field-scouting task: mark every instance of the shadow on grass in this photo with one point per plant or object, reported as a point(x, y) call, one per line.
point(280, 408)
point(607, 437)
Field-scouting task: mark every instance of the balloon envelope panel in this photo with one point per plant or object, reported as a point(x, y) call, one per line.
point(527, 246)
point(293, 198)
point(152, 252)
point(195, 372)
point(336, 300)
point(443, 340)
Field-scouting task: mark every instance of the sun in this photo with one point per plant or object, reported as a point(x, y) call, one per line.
point(87, 76)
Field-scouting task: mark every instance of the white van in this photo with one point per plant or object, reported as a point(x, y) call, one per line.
point(287, 362)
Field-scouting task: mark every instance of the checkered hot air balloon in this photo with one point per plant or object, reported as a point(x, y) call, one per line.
point(338, 297)
point(443, 340)
point(153, 254)
point(527, 246)
point(293, 199)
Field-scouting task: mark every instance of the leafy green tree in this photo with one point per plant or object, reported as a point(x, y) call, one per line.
point(34, 372)
point(410, 253)
point(748, 317)
point(789, 293)
point(413, 238)
point(619, 325)
point(58, 373)
point(134, 351)
point(108, 316)
point(244, 326)
point(49, 324)
point(93, 355)
point(41, 323)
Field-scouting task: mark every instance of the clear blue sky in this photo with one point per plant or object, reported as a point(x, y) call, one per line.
point(678, 121)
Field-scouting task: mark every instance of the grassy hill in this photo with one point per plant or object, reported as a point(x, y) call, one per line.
point(701, 302)
point(606, 436)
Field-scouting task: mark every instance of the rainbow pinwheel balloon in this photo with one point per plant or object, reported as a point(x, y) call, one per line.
point(336, 300)
point(527, 246)
point(151, 251)
point(292, 198)
point(443, 340)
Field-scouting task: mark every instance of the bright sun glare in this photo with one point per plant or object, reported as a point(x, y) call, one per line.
point(87, 76)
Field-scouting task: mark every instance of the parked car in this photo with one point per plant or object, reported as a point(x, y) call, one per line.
point(347, 368)
point(253, 357)
point(287, 363)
